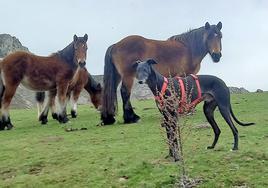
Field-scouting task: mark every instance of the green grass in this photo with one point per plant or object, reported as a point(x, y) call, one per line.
point(133, 155)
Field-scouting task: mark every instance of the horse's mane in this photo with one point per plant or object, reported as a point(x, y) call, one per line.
point(192, 39)
point(67, 54)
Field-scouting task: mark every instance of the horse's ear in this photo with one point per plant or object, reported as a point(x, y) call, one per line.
point(219, 25)
point(135, 65)
point(207, 25)
point(98, 86)
point(151, 61)
point(75, 38)
point(85, 37)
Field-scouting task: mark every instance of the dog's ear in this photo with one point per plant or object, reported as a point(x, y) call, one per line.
point(135, 64)
point(98, 87)
point(151, 61)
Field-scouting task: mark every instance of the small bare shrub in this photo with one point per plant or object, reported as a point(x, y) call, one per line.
point(174, 123)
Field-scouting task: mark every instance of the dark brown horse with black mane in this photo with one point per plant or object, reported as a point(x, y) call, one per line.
point(82, 80)
point(41, 74)
point(179, 55)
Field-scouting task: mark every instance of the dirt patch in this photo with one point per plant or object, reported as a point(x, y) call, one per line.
point(75, 129)
point(203, 126)
point(51, 139)
point(7, 174)
point(148, 108)
point(35, 170)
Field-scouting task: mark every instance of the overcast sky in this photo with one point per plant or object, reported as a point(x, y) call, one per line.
point(48, 26)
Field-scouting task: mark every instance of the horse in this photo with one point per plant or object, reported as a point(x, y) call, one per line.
point(41, 73)
point(179, 55)
point(83, 80)
point(211, 89)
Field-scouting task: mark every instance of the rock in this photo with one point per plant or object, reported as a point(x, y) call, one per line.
point(9, 44)
point(259, 91)
point(237, 90)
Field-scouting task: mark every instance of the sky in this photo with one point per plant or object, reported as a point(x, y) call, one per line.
point(48, 26)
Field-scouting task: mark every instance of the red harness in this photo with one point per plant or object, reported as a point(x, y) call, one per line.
point(184, 106)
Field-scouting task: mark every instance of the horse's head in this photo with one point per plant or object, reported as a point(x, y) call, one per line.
point(95, 96)
point(213, 40)
point(80, 50)
point(143, 70)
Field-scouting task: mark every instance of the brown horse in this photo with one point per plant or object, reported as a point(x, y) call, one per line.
point(82, 80)
point(179, 55)
point(41, 74)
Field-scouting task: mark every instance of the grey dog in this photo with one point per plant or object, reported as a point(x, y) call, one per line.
point(214, 93)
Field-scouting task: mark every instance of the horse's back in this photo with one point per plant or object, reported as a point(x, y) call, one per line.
point(169, 54)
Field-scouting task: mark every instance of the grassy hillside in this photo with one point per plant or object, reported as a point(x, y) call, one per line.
point(133, 155)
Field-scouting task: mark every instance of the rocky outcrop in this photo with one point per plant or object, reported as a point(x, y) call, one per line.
point(236, 90)
point(9, 44)
point(259, 91)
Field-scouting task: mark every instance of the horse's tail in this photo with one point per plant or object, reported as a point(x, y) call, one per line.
point(239, 122)
point(2, 86)
point(109, 96)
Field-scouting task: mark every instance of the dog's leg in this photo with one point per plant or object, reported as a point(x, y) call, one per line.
point(209, 108)
point(225, 112)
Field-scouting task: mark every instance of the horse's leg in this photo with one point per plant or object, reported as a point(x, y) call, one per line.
point(62, 95)
point(8, 94)
point(129, 114)
point(74, 98)
point(40, 98)
point(50, 103)
point(53, 105)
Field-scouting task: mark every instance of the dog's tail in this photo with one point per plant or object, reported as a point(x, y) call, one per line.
point(239, 122)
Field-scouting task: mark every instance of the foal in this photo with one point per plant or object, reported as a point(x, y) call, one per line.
point(38, 73)
point(82, 80)
point(213, 92)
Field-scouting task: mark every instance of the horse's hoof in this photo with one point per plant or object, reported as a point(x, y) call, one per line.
point(43, 119)
point(73, 114)
point(2, 128)
point(63, 119)
point(55, 116)
point(108, 121)
point(134, 119)
point(9, 126)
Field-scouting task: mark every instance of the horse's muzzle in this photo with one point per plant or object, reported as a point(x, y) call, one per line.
point(82, 64)
point(141, 82)
point(216, 57)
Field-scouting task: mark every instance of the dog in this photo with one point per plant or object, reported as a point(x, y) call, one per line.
point(212, 90)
